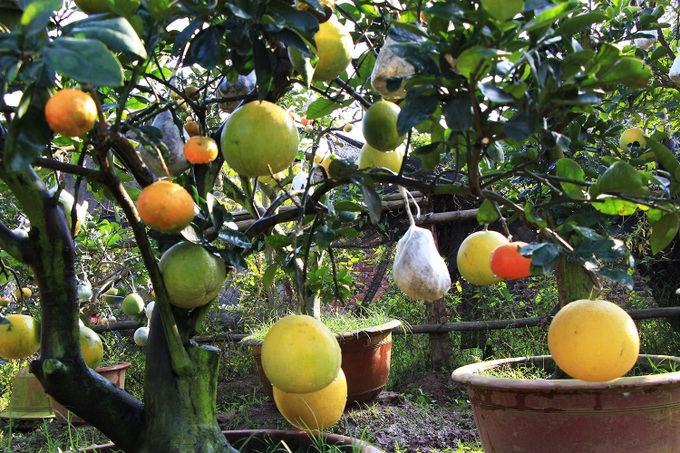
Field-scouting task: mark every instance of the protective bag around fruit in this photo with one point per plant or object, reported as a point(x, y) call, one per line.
point(389, 65)
point(418, 269)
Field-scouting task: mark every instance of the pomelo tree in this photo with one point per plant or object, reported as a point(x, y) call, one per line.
point(518, 106)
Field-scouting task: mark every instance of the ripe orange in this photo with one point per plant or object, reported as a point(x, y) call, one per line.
point(165, 206)
point(314, 411)
point(473, 257)
point(259, 138)
point(200, 150)
point(91, 347)
point(300, 354)
point(507, 263)
point(193, 276)
point(593, 340)
point(71, 112)
point(379, 126)
point(19, 336)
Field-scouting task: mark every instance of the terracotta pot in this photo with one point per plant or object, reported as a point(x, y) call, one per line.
point(263, 439)
point(366, 359)
point(628, 414)
point(114, 373)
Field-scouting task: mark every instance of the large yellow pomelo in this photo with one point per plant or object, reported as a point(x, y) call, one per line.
point(314, 411)
point(593, 340)
point(474, 254)
point(632, 136)
point(259, 138)
point(300, 354)
point(91, 347)
point(334, 47)
point(19, 336)
point(379, 126)
point(193, 276)
point(370, 158)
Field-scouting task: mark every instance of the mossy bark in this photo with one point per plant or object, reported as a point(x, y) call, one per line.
point(574, 282)
point(180, 410)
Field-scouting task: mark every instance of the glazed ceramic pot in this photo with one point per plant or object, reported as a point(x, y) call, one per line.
point(639, 413)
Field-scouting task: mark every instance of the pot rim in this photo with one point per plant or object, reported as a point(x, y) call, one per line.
point(118, 366)
point(470, 375)
point(389, 325)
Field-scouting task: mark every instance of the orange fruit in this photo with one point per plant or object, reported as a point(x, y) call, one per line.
point(259, 139)
point(317, 410)
point(370, 158)
point(200, 150)
point(91, 347)
point(300, 354)
point(70, 112)
point(474, 255)
point(192, 128)
point(379, 126)
point(165, 206)
point(193, 276)
point(593, 340)
point(19, 336)
point(507, 263)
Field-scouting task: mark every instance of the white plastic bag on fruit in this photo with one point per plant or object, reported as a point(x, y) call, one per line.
point(418, 269)
point(674, 72)
point(387, 65)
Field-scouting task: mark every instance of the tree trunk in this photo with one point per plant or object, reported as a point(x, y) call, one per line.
point(574, 282)
point(180, 410)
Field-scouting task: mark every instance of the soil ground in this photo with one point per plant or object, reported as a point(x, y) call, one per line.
point(428, 414)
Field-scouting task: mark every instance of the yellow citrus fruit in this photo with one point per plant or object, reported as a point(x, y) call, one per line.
point(133, 304)
point(70, 112)
point(300, 354)
point(334, 47)
point(4, 301)
point(370, 158)
point(193, 276)
point(317, 410)
point(593, 340)
point(632, 136)
point(19, 336)
point(111, 296)
point(379, 126)
point(474, 255)
point(259, 139)
point(23, 293)
point(165, 206)
point(91, 347)
point(192, 128)
point(200, 150)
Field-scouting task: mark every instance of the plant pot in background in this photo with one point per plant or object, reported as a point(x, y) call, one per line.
point(28, 399)
point(640, 413)
point(114, 373)
point(366, 360)
point(265, 439)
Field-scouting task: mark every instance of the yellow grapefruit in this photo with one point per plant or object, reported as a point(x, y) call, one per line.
point(379, 126)
point(91, 347)
point(334, 47)
point(259, 139)
point(19, 336)
point(370, 158)
point(593, 340)
point(300, 354)
point(632, 136)
point(317, 410)
point(474, 255)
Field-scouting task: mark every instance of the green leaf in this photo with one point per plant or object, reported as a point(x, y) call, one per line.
point(487, 212)
point(569, 169)
point(617, 275)
point(521, 126)
point(503, 10)
point(543, 256)
point(235, 238)
point(265, 62)
point(420, 105)
point(611, 205)
point(663, 232)
point(533, 216)
point(324, 236)
point(458, 113)
point(495, 93)
point(278, 241)
point(550, 16)
point(349, 206)
point(371, 197)
point(37, 14)
point(348, 232)
point(580, 22)
point(28, 133)
point(269, 275)
point(322, 107)
point(116, 33)
point(234, 259)
point(85, 60)
point(630, 71)
point(204, 49)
